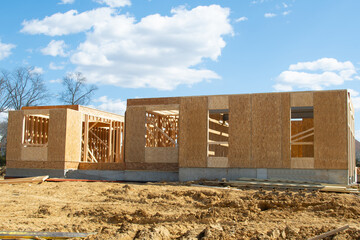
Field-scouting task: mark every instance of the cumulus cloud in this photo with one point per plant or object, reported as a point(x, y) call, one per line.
point(115, 3)
point(110, 105)
point(55, 48)
point(66, 1)
point(269, 15)
point(241, 19)
point(355, 98)
point(286, 13)
point(37, 70)
point(56, 81)
point(5, 50)
point(316, 75)
point(53, 66)
point(67, 23)
point(157, 51)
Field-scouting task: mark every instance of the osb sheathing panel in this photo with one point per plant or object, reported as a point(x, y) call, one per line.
point(330, 122)
point(98, 113)
point(161, 154)
point(267, 132)
point(57, 135)
point(302, 150)
point(193, 132)
point(285, 130)
point(302, 99)
point(153, 101)
point(152, 166)
point(34, 153)
point(218, 102)
point(135, 134)
point(302, 163)
point(240, 131)
point(14, 135)
point(217, 162)
point(73, 135)
point(101, 166)
point(35, 164)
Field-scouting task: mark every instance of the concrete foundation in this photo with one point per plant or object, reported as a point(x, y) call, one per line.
point(309, 175)
point(131, 176)
point(189, 174)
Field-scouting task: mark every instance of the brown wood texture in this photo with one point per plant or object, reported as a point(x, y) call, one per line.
point(285, 130)
point(153, 101)
point(302, 99)
point(330, 122)
point(101, 166)
point(217, 162)
point(240, 129)
point(193, 132)
point(218, 102)
point(135, 134)
point(57, 135)
point(174, 167)
point(266, 128)
point(73, 107)
point(73, 135)
point(14, 135)
point(302, 163)
point(33, 153)
point(161, 155)
point(35, 164)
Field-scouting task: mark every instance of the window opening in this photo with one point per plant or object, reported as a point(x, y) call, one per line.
point(302, 132)
point(36, 128)
point(162, 128)
point(218, 133)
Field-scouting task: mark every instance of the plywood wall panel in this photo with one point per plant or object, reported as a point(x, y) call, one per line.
point(267, 132)
point(153, 101)
point(193, 132)
point(57, 135)
point(135, 134)
point(14, 135)
point(240, 129)
point(161, 154)
point(218, 102)
point(301, 99)
point(330, 122)
point(285, 130)
point(73, 136)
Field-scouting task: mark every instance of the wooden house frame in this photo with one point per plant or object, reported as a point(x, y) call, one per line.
point(290, 135)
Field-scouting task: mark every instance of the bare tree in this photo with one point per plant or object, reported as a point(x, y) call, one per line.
point(76, 91)
point(24, 87)
point(4, 96)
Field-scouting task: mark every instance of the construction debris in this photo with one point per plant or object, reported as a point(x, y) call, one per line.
point(42, 235)
point(330, 233)
point(25, 180)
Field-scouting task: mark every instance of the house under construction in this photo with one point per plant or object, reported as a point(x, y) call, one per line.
point(293, 135)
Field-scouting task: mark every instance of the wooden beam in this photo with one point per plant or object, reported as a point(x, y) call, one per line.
point(300, 138)
point(301, 133)
point(86, 137)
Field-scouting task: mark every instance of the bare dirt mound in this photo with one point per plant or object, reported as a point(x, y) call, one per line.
point(147, 211)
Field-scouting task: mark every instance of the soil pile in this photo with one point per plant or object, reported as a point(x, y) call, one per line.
point(170, 211)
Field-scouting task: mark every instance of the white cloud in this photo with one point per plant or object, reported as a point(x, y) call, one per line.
point(67, 23)
point(66, 1)
point(5, 50)
point(316, 75)
point(285, 5)
point(53, 66)
point(286, 13)
point(37, 70)
point(115, 3)
point(241, 19)
point(55, 48)
point(269, 15)
point(56, 80)
point(355, 98)
point(157, 51)
point(3, 116)
point(111, 105)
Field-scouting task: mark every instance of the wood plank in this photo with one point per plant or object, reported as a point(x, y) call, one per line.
point(39, 179)
point(302, 99)
point(240, 128)
point(135, 134)
point(153, 101)
point(330, 233)
point(285, 130)
point(42, 235)
point(193, 132)
point(86, 138)
point(266, 129)
point(330, 123)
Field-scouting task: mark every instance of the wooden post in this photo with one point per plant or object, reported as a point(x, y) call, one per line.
point(110, 143)
point(86, 137)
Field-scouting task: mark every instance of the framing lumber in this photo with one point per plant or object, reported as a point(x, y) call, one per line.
point(39, 179)
point(330, 233)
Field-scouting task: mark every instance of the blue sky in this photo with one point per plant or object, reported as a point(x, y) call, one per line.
point(157, 48)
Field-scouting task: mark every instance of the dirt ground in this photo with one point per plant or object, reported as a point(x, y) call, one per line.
point(173, 211)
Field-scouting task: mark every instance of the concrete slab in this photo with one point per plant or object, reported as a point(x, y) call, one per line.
point(261, 173)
